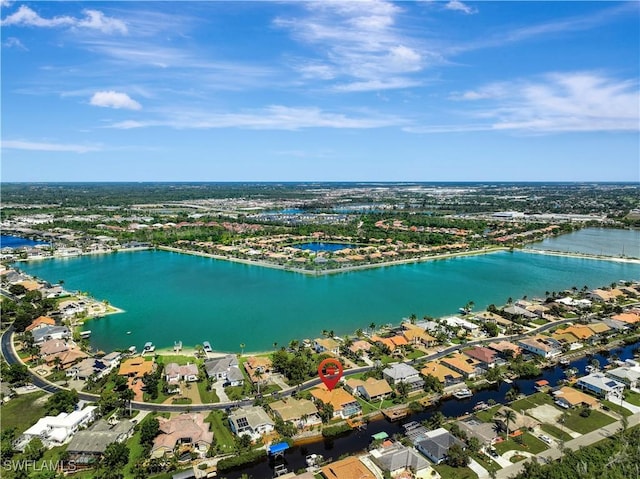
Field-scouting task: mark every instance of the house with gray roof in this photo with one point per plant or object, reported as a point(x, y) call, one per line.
point(403, 373)
point(629, 373)
point(50, 332)
point(252, 421)
point(437, 443)
point(601, 385)
point(88, 446)
point(397, 458)
point(225, 369)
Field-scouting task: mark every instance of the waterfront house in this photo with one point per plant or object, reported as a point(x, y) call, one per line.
point(456, 322)
point(88, 445)
point(605, 296)
point(51, 347)
point(504, 346)
point(521, 421)
point(48, 332)
point(629, 373)
point(567, 397)
point(615, 325)
point(326, 345)
point(250, 421)
point(188, 429)
point(444, 374)
point(136, 367)
point(397, 459)
point(56, 430)
point(40, 322)
point(629, 318)
point(225, 369)
point(344, 404)
point(489, 317)
point(391, 342)
point(601, 386)
point(372, 389)
point(360, 345)
point(65, 359)
point(467, 366)
point(418, 336)
point(487, 357)
point(260, 365)
point(542, 346)
point(514, 310)
point(403, 373)
point(348, 468)
point(600, 329)
point(485, 432)
point(436, 444)
point(300, 412)
point(174, 373)
point(88, 367)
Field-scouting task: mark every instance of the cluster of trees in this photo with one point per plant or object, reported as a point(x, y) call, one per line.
point(616, 457)
point(15, 374)
point(29, 305)
point(61, 401)
point(297, 366)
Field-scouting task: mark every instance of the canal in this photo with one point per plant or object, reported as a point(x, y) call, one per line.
point(358, 440)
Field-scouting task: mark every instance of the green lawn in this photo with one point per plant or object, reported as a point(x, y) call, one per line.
point(583, 425)
point(448, 472)
point(415, 354)
point(22, 412)
point(135, 452)
point(207, 396)
point(616, 408)
point(486, 462)
point(487, 414)
point(372, 407)
point(555, 432)
point(530, 402)
point(180, 360)
point(223, 434)
point(530, 444)
point(632, 397)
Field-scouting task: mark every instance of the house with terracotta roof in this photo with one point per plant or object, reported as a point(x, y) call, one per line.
point(185, 430)
point(51, 347)
point(463, 364)
point(628, 318)
point(39, 322)
point(487, 357)
point(579, 331)
point(503, 346)
point(445, 375)
point(360, 345)
point(392, 342)
point(605, 295)
point(258, 364)
point(567, 397)
point(541, 345)
point(416, 335)
point(344, 404)
point(136, 367)
point(66, 358)
point(348, 468)
point(372, 389)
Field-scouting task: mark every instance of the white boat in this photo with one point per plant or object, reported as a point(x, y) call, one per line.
point(463, 393)
point(148, 347)
point(565, 361)
point(132, 350)
point(314, 460)
point(206, 347)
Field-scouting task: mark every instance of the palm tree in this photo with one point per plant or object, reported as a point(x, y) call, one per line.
point(509, 416)
point(258, 375)
point(413, 318)
point(359, 332)
point(275, 345)
point(511, 394)
point(372, 327)
point(242, 348)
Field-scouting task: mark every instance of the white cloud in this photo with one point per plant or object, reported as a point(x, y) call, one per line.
point(13, 42)
point(275, 117)
point(457, 5)
point(356, 42)
point(53, 147)
point(556, 102)
point(93, 20)
point(114, 99)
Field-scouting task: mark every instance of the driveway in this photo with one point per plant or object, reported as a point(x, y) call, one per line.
point(478, 469)
point(218, 386)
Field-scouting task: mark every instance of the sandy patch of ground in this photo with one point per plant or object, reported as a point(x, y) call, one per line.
point(545, 413)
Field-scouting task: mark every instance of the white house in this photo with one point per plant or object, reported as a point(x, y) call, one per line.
point(252, 421)
point(56, 430)
point(601, 386)
point(175, 373)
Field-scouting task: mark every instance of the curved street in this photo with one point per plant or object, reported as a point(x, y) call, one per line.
point(11, 356)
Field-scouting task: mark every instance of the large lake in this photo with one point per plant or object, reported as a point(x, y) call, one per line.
point(170, 296)
point(610, 242)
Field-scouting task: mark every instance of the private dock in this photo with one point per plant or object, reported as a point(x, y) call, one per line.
point(396, 413)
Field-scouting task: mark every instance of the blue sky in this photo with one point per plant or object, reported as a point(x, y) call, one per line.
point(335, 91)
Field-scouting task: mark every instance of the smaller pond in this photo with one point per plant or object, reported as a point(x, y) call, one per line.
point(316, 247)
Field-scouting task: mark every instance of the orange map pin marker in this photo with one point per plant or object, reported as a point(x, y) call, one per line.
point(330, 371)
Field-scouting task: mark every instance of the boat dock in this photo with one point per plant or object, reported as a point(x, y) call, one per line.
point(396, 413)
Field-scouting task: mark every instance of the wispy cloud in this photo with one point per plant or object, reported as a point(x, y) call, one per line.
point(42, 146)
point(557, 102)
point(114, 99)
point(92, 20)
point(457, 5)
point(13, 42)
point(276, 117)
point(358, 45)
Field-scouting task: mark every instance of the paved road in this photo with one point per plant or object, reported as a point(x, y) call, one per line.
point(574, 444)
point(11, 356)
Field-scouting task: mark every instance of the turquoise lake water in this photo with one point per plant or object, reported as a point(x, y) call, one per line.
point(595, 241)
point(170, 296)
